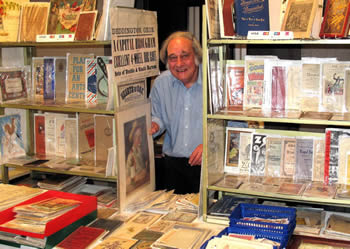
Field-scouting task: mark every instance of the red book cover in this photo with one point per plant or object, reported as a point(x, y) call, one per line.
point(336, 19)
point(278, 90)
point(227, 14)
point(235, 87)
point(326, 156)
point(39, 134)
point(81, 238)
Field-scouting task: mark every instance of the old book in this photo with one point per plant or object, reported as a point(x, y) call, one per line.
point(251, 16)
point(14, 83)
point(104, 133)
point(294, 76)
point(75, 91)
point(91, 81)
point(102, 78)
point(230, 181)
point(213, 20)
point(60, 79)
point(39, 134)
point(245, 141)
point(333, 87)
point(310, 85)
point(116, 242)
point(299, 17)
point(34, 18)
point(335, 22)
point(275, 14)
point(318, 159)
point(254, 81)
point(64, 16)
point(304, 154)
point(216, 71)
point(291, 188)
point(258, 155)
point(60, 136)
point(273, 156)
point(234, 85)
point(278, 86)
point(71, 135)
point(288, 157)
point(50, 134)
point(11, 137)
point(344, 148)
point(331, 164)
point(86, 131)
point(38, 78)
point(225, 205)
point(319, 189)
point(232, 151)
point(107, 224)
point(10, 20)
point(83, 237)
point(316, 115)
point(49, 79)
point(226, 12)
point(149, 235)
point(85, 26)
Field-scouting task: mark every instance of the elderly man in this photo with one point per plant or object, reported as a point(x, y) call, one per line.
point(177, 110)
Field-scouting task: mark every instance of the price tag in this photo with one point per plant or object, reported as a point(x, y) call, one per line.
point(55, 38)
point(270, 35)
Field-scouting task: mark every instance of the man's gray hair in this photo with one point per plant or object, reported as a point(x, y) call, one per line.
point(163, 54)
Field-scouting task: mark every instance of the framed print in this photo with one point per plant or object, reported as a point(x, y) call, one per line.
point(13, 82)
point(135, 153)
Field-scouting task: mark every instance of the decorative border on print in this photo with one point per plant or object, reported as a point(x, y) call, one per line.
point(13, 74)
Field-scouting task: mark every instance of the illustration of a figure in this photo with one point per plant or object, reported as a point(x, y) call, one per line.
point(137, 162)
point(10, 141)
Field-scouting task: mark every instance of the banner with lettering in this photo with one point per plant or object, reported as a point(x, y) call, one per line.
point(134, 44)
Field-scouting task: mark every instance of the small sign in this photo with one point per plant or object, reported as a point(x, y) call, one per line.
point(270, 35)
point(55, 38)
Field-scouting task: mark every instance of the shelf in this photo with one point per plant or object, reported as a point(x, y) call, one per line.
point(294, 198)
point(91, 175)
point(56, 44)
point(239, 117)
point(58, 107)
point(280, 42)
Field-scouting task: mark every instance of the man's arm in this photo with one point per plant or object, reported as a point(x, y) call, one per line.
point(196, 156)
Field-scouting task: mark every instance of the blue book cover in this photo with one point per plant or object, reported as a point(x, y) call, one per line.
point(49, 78)
point(251, 15)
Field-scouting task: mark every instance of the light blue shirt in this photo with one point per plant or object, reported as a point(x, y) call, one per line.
point(178, 111)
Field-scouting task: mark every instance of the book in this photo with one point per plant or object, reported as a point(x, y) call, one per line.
point(86, 124)
point(291, 188)
point(33, 22)
point(245, 141)
point(232, 150)
point(278, 86)
point(299, 18)
point(235, 84)
point(258, 154)
point(107, 224)
point(293, 88)
point(39, 134)
point(104, 133)
point(75, 91)
point(319, 189)
point(13, 82)
point(38, 78)
point(335, 22)
point(226, 13)
point(273, 156)
point(60, 79)
point(83, 237)
point(49, 79)
point(213, 20)
point(226, 205)
point(11, 137)
point(304, 155)
point(344, 148)
point(60, 136)
point(10, 20)
point(64, 16)
point(251, 16)
point(86, 25)
point(71, 137)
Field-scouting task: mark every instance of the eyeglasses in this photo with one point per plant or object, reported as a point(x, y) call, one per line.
point(183, 57)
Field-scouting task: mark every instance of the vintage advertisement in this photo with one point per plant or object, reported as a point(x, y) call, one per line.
point(86, 26)
point(91, 81)
point(34, 18)
point(293, 86)
point(333, 85)
point(132, 92)
point(318, 159)
point(213, 18)
point(258, 153)
point(273, 156)
point(49, 78)
point(310, 85)
point(235, 85)
point(102, 75)
point(232, 150)
point(134, 43)
point(38, 77)
point(304, 153)
point(86, 132)
point(135, 153)
point(10, 19)
point(13, 84)
point(75, 91)
point(288, 157)
point(278, 88)
point(71, 136)
point(254, 84)
point(244, 153)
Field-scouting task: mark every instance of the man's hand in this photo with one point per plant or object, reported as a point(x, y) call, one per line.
point(154, 128)
point(196, 156)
